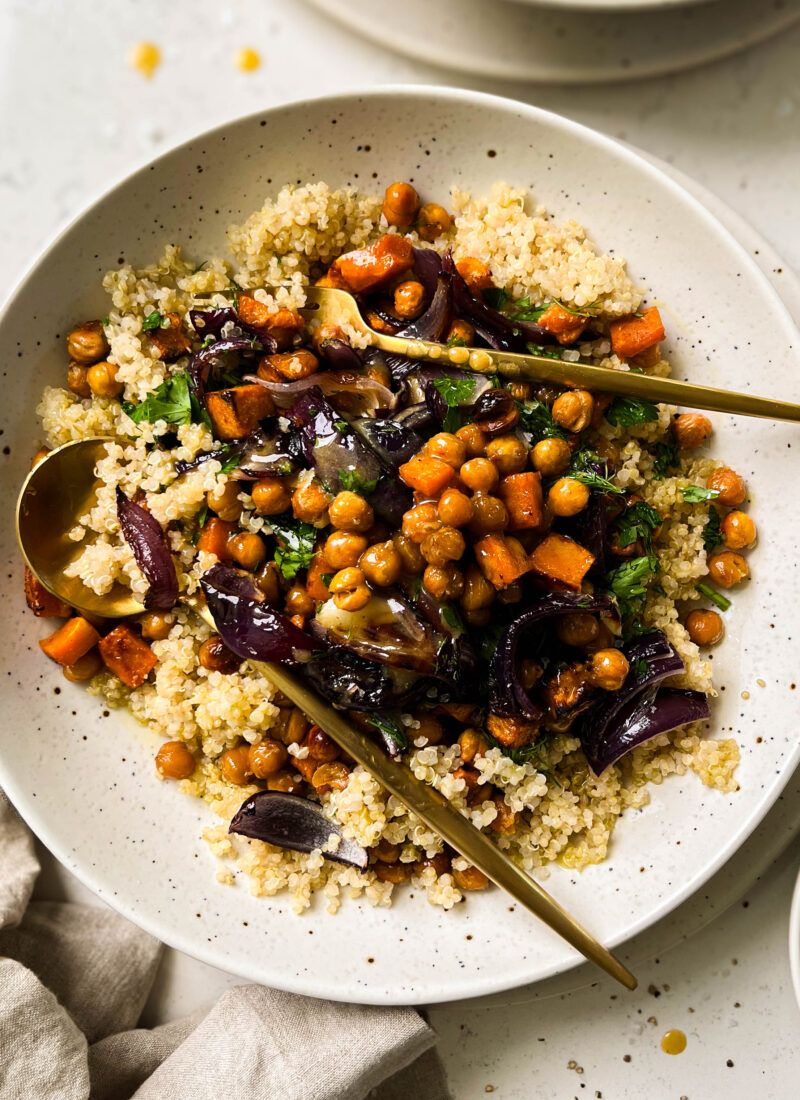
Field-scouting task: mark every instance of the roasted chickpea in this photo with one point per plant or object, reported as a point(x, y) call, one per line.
point(738, 530)
point(432, 221)
point(325, 332)
point(343, 548)
point(478, 592)
point(448, 447)
point(443, 545)
point(296, 727)
point(440, 864)
point(691, 429)
point(578, 628)
point(84, 668)
point(573, 410)
point(285, 781)
point(509, 454)
point(266, 758)
point(87, 343)
point(409, 300)
point(156, 625)
point(444, 582)
point(298, 601)
point(392, 872)
point(400, 204)
point(730, 485)
point(410, 553)
point(386, 852)
point(551, 457)
point(455, 508)
point(235, 765)
point(102, 379)
point(224, 500)
point(350, 512)
point(608, 669)
point(704, 627)
point(728, 568)
point(479, 474)
point(567, 497)
point(470, 879)
point(215, 656)
point(174, 761)
point(247, 549)
point(472, 743)
point(78, 380)
point(381, 564)
point(268, 581)
point(321, 747)
point(520, 391)
point(490, 515)
point(330, 777)
point(310, 504)
point(349, 590)
point(420, 521)
point(428, 727)
point(473, 439)
point(506, 820)
point(461, 333)
point(271, 496)
point(475, 273)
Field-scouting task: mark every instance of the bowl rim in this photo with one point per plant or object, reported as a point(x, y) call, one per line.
point(29, 807)
point(794, 939)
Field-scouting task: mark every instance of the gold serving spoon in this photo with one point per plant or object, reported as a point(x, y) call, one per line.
point(62, 487)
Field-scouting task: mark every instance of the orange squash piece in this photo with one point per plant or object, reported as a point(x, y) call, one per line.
point(315, 585)
point(126, 655)
point(41, 602)
point(565, 326)
point(522, 496)
point(427, 474)
point(235, 412)
point(172, 342)
point(282, 324)
point(71, 641)
point(376, 265)
point(213, 538)
point(501, 560)
point(562, 559)
point(633, 335)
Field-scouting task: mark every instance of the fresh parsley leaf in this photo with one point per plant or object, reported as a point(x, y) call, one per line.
point(712, 532)
point(626, 583)
point(341, 426)
point(455, 391)
point(230, 464)
point(638, 523)
point(391, 727)
point(451, 618)
point(106, 321)
point(639, 667)
point(326, 578)
point(693, 494)
point(201, 518)
point(200, 267)
point(536, 418)
point(297, 540)
point(172, 402)
point(624, 412)
point(720, 601)
point(456, 341)
point(583, 468)
point(152, 321)
point(667, 458)
point(209, 340)
point(353, 482)
point(495, 296)
point(525, 754)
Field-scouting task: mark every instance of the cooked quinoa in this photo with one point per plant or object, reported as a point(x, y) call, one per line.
point(563, 812)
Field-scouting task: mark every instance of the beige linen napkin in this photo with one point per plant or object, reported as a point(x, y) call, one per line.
point(74, 980)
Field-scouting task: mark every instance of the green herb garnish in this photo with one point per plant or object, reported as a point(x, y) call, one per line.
point(106, 321)
point(200, 267)
point(456, 341)
point(326, 578)
point(581, 468)
point(391, 727)
point(229, 464)
point(353, 482)
point(624, 412)
point(495, 296)
point(638, 523)
point(341, 426)
point(297, 541)
point(152, 321)
point(451, 618)
point(712, 532)
point(455, 391)
point(536, 418)
point(172, 402)
point(667, 458)
point(201, 518)
point(720, 601)
point(639, 668)
point(693, 494)
point(626, 583)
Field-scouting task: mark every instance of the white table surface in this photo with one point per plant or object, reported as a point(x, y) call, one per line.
point(74, 117)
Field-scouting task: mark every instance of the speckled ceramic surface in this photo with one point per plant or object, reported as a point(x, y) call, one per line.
point(522, 41)
point(83, 779)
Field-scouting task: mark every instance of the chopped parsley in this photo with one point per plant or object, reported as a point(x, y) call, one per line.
point(667, 458)
point(639, 668)
point(230, 463)
point(326, 578)
point(525, 754)
point(389, 725)
point(352, 482)
point(297, 541)
point(495, 296)
point(626, 583)
point(173, 402)
point(455, 391)
point(712, 532)
point(624, 412)
point(693, 494)
point(106, 321)
point(451, 618)
point(341, 426)
point(201, 518)
point(583, 468)
point(456, 341)
point(536, 418)
point(638, 523)
point(152, 321)
point(720, 601)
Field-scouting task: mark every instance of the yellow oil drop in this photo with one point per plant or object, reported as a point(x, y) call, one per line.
point(247, 59)
point(673, 1042)
point(146, 57)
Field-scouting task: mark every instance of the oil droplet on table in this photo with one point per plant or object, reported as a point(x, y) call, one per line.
point(673, 1042)
point(247, 59)
point(146, 57)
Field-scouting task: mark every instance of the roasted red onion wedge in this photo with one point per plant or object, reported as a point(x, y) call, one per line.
point(290, 821)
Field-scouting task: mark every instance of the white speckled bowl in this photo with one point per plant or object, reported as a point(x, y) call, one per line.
point(83, 779)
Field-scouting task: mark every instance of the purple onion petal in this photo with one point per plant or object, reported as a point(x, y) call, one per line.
point(653, 711)
point(290, 821)
point(143, 534)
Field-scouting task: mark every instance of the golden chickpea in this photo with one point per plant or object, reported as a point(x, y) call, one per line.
point(470, 879)
point(455, 508)
point(505, 822)
point(728, 568)
point(448, 447)
point(268, 581)
point(87, 343)
point(551, 457)
point(444, 582)
point(330, 777)
point(394, 873)
point(174, 761)
point(444, 545)
point(235, 765)
point(343, 548)
point(78, 380)
point(320, 747)
point(400, 204)
point(578, 628)
point(350, 512)
point(704, 627)
point(491, 515)
point(462, 333)
point(567, 497)
point(478, 592)
point(324, 332)
point(349, 590)
point(421, 521)
point(738, 530)
point(608, 669)
point(730, 486)
point(428, 727)
point(215, 656)
point(247, 549)
point(298, 601)
point(520, 391)
point(381, 564)
point(386, 852)
point(410, 553)
point(156, 625)
point(102, 379)
point(472, 743)
point(286, 781)
point(509, 454)
point(473, 439)
point(691, 429)
point(310, 504)
point(440, 864)
point(479, 474)
point(432, 221)
point(84, 668)
point(224, 500)
point(296, 727)
point(409, 300)
point(271, 496)
point(573, 410)
point(266, 758)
